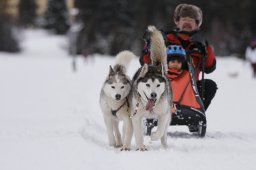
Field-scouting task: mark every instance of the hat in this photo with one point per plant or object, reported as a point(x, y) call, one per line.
point(175, 52)
point(187, 10)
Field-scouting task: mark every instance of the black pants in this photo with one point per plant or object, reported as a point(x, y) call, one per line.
point(210, 89)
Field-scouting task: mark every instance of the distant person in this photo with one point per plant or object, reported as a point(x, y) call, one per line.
point(188, 19)
point(250, 55)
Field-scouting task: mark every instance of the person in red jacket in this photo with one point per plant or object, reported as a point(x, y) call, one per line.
point(188, 19)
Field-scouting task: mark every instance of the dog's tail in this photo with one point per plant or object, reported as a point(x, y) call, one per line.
point(123, 59)
point(157, 48)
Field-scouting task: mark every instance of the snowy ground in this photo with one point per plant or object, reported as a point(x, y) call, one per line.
point(50, 117)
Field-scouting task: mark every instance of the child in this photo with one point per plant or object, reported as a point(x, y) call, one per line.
point(180, 81)
point(176, 58)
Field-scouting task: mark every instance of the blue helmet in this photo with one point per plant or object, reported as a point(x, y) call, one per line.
point(176, 51)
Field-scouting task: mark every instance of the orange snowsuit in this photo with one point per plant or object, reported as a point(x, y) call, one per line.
point(183, 93)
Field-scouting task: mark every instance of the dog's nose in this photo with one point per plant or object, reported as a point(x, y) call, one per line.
point(118, 96)
point(153, 95)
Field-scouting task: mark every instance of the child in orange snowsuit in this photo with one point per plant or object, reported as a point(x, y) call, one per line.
point(180, 80)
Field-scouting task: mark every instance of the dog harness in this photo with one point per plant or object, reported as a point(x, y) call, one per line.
point(115, 111)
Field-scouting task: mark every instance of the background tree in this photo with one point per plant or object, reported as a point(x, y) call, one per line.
point(108, 26)
point(8, 41)
point(56, 16)
point(27, 12)
point(111, 26)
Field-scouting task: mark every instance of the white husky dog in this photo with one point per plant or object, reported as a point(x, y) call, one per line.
point(114, 102)
point(151, 93)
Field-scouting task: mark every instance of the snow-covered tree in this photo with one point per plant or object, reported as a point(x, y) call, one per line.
point(56, 16)
point(8, 42)
point(111, 26)
point(107, 26)
point(27, 12)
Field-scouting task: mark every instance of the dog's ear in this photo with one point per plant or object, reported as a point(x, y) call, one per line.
point(111, 71)
point(143, 71)
point(120, 69)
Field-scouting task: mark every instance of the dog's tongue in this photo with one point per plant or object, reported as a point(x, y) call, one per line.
point(150, 105)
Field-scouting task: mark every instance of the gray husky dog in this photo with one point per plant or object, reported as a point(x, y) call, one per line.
point(114, 102)
point(151, 92)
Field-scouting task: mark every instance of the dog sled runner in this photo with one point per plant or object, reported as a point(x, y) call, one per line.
point(189, 108)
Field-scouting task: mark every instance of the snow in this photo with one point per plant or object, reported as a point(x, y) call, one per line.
point(50, 117)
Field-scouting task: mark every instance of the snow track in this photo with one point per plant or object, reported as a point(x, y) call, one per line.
point(50, 117)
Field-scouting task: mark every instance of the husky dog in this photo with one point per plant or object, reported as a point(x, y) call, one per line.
point(151, 93)
point(114, 102)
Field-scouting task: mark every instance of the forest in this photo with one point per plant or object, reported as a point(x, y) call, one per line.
point(106, 27)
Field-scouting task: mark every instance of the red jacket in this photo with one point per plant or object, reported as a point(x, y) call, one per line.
point(194, 48)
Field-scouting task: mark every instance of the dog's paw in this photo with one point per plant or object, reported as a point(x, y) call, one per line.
point(164, 141)
point(165, 146)
point(142, 148)
point(118, 144)
point(155, 136)
point(125, 149)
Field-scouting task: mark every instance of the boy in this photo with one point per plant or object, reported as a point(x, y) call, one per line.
point(180, 80)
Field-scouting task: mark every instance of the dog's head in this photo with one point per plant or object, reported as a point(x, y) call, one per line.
point(151, 84)
point(117, 85)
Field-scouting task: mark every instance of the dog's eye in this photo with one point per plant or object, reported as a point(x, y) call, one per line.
point(158, 85)
point(113, 87)
point(147, 85)
point(122, 87)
